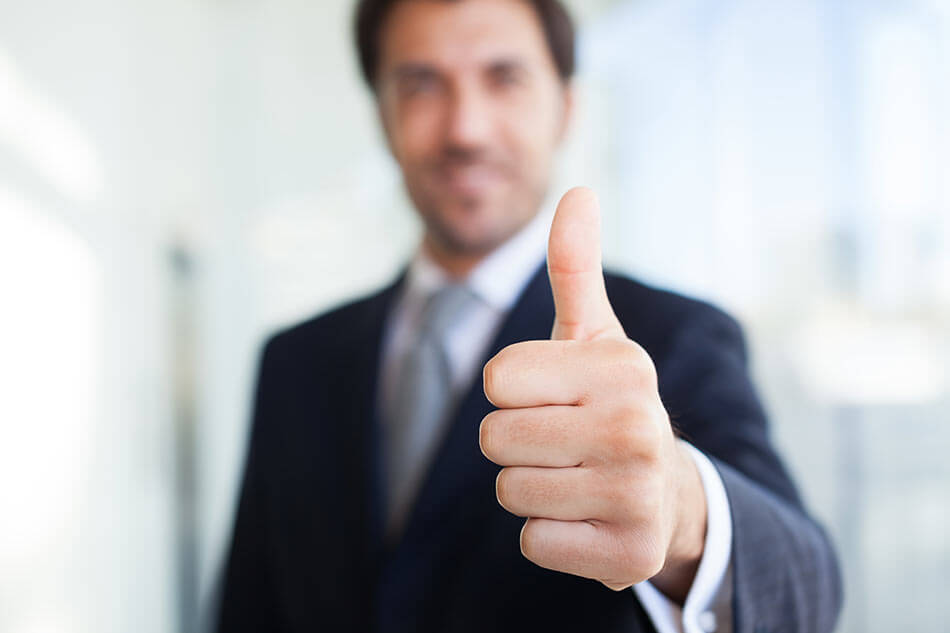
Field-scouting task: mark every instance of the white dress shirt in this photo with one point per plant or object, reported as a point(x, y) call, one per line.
point(498, 281)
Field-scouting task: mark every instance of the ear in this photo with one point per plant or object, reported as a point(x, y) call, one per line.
point(568, 97)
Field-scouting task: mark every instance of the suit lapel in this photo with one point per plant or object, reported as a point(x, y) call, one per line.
point(360, 434)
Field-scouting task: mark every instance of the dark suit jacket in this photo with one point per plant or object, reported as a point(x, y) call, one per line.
point(307, 551)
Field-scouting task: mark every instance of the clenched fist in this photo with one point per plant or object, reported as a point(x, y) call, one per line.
point(588, 452)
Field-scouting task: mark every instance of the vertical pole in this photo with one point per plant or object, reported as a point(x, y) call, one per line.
point(183, 329)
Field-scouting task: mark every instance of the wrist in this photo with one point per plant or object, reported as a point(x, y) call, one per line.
point(689, 533)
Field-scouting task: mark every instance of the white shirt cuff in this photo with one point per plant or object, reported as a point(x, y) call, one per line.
point(708, 605)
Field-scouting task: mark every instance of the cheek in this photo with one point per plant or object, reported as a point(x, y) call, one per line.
point(534, 136)
point(415, 133)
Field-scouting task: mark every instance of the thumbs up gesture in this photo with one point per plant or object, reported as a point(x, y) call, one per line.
point(588, 452)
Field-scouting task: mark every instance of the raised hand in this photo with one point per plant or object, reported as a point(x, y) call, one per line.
point(588, 452)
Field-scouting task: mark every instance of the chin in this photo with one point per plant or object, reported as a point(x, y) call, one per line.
point(470, 235)
point(472, 224)
point(468, 242)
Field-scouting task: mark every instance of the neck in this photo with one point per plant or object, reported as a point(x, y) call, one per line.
point(456, 265)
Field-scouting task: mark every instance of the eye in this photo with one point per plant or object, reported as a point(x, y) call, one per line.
point(505, 75)
point(418, 83)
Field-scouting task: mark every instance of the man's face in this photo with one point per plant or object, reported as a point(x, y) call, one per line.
point(473, 110)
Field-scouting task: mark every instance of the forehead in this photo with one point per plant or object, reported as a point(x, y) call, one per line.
point(462, 34)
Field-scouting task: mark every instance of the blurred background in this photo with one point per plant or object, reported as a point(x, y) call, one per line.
point(180, 177)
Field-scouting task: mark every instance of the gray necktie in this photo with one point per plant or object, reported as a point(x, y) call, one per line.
point(421, 401)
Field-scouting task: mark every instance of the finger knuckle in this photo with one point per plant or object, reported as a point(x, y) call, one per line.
point(630, 440)
point(635, 367)
point(649, 437)
point(636, 435)
point(625, 441)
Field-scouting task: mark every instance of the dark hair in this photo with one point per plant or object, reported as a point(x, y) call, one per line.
point(556, 23)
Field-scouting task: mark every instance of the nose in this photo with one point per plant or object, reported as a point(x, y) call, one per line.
point(469, 118)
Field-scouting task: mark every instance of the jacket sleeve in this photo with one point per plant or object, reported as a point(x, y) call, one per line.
point(785, 572)
point(248, 596)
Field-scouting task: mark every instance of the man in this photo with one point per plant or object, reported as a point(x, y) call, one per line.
point(633, 448)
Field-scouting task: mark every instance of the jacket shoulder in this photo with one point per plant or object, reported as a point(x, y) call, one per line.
point(337, 328)
point(654, 317)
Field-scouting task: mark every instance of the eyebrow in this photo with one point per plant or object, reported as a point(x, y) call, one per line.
point(408, 70)
point(510, 64)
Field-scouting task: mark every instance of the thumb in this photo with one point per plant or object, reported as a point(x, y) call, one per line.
point(582, 311)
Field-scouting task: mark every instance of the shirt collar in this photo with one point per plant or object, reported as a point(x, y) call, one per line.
point(498, 279)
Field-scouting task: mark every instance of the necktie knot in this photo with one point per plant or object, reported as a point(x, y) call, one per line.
point(442, 309)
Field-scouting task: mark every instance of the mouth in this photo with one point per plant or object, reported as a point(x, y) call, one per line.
point(472, 179)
